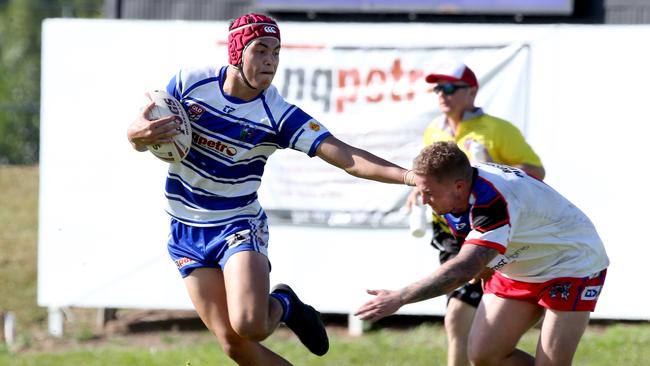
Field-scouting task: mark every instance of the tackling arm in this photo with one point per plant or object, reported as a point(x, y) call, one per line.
point(471, 261)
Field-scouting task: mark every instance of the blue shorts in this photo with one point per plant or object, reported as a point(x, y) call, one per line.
point(195, 247)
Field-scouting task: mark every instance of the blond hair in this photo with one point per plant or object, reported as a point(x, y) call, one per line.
point(443, 160)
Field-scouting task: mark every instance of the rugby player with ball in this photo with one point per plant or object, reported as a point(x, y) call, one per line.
point(219, 235)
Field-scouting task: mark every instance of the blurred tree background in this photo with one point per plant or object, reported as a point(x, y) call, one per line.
point(20, 70)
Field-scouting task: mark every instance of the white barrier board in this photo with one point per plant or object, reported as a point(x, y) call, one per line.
point(102, 230)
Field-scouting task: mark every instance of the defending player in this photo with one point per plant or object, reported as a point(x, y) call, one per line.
point(484, 138)
point(219, 233)
point(547, 257)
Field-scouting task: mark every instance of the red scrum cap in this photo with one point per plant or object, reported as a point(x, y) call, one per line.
point(453, 72)
point(246, 29)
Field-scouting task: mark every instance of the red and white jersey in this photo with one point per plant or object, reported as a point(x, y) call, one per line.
point(539, 234)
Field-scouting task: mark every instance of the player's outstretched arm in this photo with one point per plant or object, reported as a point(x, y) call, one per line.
point(361, 163)
point(143, 132)
point(471, 261)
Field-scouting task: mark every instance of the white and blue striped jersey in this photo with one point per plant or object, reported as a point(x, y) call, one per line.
point(217, 182)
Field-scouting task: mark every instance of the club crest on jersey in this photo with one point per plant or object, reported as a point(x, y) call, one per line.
point(247, 132)
point(195, 112)
point(314, 126)
point(561, 289)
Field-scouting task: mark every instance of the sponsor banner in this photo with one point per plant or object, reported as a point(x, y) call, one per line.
point(375, 99)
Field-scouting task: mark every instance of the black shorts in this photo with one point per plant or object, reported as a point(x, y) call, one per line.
point(449, 246)
point(469, 293)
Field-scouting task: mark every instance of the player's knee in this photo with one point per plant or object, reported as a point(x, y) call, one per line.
point(250, 328)
point(233, 346)
point(481, 356)
point(458, 321)
point(452, 324)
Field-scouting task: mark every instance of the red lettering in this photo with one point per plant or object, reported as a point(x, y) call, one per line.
point(183, 261)
point(414, 76)
point(397, 73)
point(371, 85)
point(348, 94)
point(394, 84)
point(214, 144)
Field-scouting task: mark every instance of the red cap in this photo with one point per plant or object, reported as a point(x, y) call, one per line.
point(454, 72)
point(246, 29)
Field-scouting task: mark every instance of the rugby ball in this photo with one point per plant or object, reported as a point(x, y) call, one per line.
point(167, 105)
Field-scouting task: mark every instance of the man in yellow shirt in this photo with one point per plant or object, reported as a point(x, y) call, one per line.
point(483, 138)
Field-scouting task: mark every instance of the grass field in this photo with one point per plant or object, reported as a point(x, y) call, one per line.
point(423, 344)
point(19, 223)
point(415, 346)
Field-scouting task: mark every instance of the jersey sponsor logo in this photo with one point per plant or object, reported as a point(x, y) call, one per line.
point(195, 112)
point(228, 109)
point(506, 259)
point(590, 293)
point(215, 145)
point(180, 263)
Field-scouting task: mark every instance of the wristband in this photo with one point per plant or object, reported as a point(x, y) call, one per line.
point(409, 178)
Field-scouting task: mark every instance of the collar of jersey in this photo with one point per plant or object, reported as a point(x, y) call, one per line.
point(230, 98)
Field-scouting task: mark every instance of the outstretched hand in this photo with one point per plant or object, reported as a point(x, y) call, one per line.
point(383, 304)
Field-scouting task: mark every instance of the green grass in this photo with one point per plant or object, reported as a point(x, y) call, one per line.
point(619, 344)
point(19, 223)
point(420, 345)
